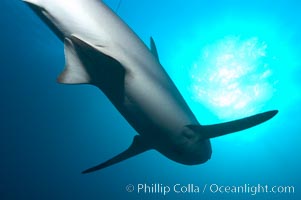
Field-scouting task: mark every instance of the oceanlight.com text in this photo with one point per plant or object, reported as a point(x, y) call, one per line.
point(165, 189)
point(250, 189)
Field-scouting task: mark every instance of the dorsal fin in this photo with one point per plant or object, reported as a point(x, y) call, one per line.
point(138, 146)
point(153, 48)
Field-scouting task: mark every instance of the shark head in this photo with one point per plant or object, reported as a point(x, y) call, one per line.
point(197, 149)
point(192, 146)
point(189, 148)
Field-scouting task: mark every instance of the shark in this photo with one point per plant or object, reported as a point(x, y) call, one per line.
point(102, 50)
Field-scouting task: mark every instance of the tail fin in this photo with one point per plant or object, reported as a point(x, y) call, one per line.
point(211, 131)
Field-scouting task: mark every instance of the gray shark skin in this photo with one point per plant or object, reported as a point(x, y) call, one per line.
point(101, 50)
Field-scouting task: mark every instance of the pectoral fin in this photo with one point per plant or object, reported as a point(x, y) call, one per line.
point(138, 146)
point(211, 131)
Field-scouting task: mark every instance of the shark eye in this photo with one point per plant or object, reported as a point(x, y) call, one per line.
point(188, 133)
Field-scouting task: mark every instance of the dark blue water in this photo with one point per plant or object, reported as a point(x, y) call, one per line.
point(49, 133)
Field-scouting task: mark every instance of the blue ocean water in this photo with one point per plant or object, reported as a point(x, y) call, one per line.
point(49, 132)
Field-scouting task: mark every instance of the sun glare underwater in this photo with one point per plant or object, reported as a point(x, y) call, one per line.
point(230, 59)
point(241, 68)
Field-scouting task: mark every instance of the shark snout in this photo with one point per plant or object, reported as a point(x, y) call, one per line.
point(189, 148)
point(199, 152)
point(193, 154)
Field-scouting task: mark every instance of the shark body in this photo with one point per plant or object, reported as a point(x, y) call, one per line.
point(100, 49)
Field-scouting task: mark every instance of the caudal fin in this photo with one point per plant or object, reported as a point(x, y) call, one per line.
point(211, 131)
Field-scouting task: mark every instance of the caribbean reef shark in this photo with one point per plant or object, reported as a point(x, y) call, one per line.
point(101, 50)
